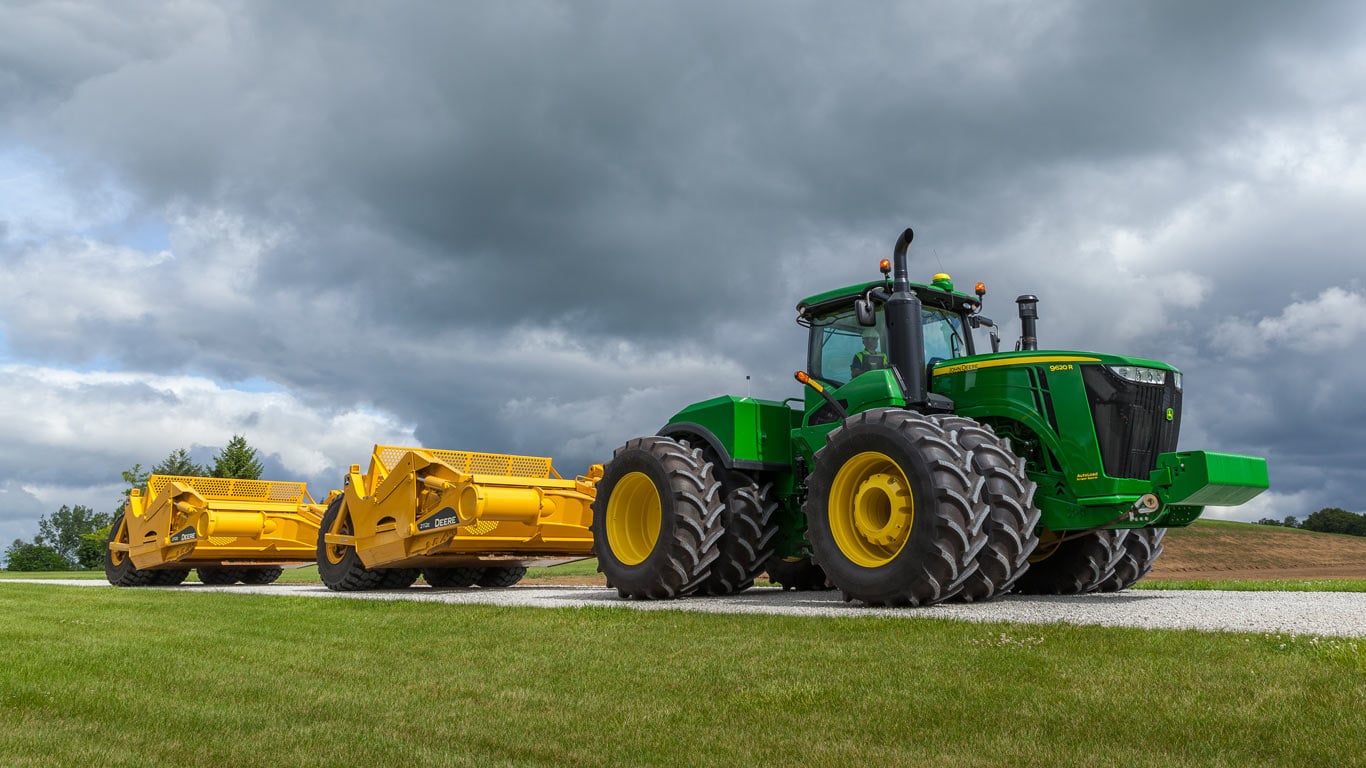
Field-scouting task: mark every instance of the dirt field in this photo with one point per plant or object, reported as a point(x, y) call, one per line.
point(1221, 550)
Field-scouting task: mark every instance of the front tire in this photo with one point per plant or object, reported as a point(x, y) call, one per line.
point(1008, 494)
point(1142, 547)
point(657, 519)
point(892, 511)
point(1072, 566)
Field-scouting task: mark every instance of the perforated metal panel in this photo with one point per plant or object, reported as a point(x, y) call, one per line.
point(478, 529)
point(224, 489)
point(473, 463)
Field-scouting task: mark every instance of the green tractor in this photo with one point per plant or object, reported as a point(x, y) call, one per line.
point(915, 469)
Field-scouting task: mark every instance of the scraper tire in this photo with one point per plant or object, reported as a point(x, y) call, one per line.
point(398, 578)
point(118, 566)
point(501, 577)
point(451, 578)
point(169, 578)
point(217, 576)
point(260, 576)
point(339, 565)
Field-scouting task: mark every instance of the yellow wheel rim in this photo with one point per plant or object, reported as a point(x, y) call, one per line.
point(336, 552)
point(634, 514)
point(115, 556)
point(871, 509)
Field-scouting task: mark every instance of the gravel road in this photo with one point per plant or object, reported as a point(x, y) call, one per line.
point(1340, 614)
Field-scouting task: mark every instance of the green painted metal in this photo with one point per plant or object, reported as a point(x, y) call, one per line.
point(1205, 478)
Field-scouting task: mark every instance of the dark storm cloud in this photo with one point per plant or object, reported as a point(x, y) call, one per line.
point(422, 186)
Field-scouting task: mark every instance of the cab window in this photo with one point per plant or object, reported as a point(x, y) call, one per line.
point(840, 348)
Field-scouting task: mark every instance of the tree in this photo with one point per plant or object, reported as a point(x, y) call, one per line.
point(237, 460)
point(62, 531)
point(1334, 520)
point(1269, 521)
point(1291, 521)
point(22, 556)
point(90, 554)
point(178, 463)
point(135, 478)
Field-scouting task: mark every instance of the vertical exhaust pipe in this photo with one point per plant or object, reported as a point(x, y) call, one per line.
point(905, 334)
point(1029, 317)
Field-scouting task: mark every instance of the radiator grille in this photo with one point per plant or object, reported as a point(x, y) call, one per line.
point(1131, 420)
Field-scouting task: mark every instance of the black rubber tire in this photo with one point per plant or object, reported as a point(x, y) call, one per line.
point(169, 577)
point(1012, 518)
point(1074, 566)
point(682, 553)
point(1142, 547)
point(747, 543)
point(348, 574)
point(451, 578)
point(119, 570)
point(945, 534)
point(260, 575)
point(398, 578)
point(218, 575)
point(501, 576)
point(798, 574)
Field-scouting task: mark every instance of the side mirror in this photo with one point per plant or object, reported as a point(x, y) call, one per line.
point(867, 315)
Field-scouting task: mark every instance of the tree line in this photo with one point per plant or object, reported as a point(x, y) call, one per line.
point(74, 538)
point(1326, 520)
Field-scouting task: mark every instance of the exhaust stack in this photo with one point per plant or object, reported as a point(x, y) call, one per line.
point(905, 335)
point(1029, 317)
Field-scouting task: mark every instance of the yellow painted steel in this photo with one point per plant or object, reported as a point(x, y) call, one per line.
point(424, 507)
point(633, 519)
point(943, 370)
point(871, 509)
point(184, 522)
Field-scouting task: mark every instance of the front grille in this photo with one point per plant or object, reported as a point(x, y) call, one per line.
point(1131, 420)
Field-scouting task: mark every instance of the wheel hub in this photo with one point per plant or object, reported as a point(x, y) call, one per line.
point(874, 501)
point(871, 508)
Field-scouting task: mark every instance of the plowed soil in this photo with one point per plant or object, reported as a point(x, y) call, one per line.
point(1212, 549)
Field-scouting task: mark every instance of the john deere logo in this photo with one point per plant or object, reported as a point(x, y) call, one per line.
point(441, 519)
point(1171, 414)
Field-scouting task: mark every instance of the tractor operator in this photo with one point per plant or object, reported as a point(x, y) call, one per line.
point(868, 358)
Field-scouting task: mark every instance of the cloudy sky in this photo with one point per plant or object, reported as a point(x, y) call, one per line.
point(544, 227)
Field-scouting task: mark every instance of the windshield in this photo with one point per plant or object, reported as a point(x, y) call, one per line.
point(841, 349)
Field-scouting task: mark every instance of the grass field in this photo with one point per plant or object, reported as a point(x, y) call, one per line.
point(132, 678)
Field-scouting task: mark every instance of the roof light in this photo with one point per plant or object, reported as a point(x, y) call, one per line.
point(886, 266)
point(981, 290)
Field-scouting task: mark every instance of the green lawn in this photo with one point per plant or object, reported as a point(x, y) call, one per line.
point(309, 573)
point(132, 678)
